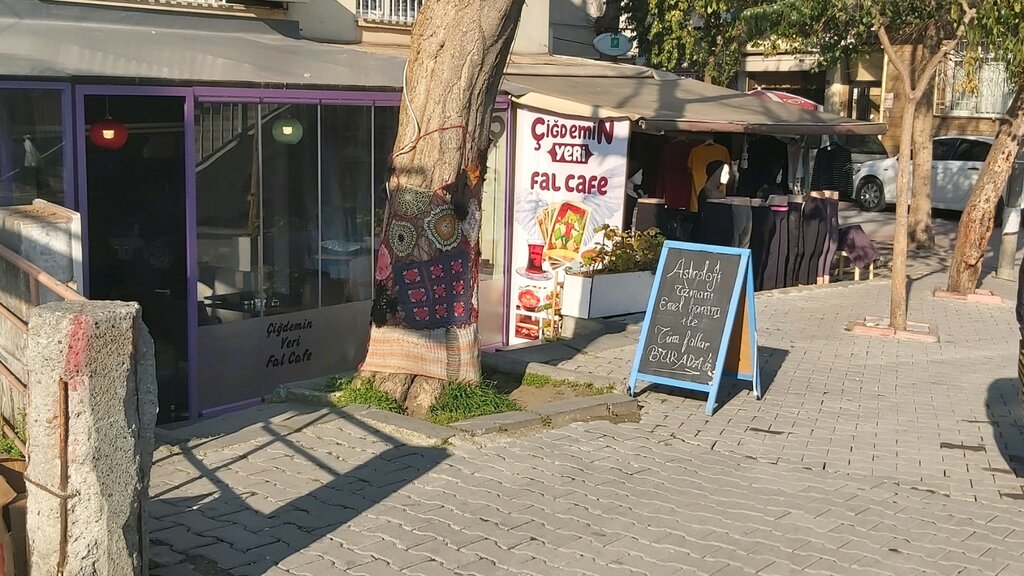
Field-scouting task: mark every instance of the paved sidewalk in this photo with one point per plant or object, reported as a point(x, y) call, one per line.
point(866, 456)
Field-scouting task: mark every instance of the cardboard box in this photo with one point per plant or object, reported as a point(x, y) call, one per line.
point(13, 533)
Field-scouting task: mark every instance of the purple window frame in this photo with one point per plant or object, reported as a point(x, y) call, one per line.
point(67, 127)
point(76, 189)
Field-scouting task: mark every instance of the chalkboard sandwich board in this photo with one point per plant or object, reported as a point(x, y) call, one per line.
point(700, 323)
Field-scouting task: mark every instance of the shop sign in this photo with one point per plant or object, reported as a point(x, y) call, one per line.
point(570, 178)
point(700, 323)
point(285, 343)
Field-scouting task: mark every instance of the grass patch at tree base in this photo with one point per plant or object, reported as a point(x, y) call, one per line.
point(348, 390)
point(464, 400)
point(534, 380)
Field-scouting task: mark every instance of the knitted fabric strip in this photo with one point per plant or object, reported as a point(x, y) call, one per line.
point(433, 353)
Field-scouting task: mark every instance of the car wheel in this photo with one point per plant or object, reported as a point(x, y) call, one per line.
point(871, 195)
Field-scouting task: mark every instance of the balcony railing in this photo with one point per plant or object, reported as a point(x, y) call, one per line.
point(390, 11)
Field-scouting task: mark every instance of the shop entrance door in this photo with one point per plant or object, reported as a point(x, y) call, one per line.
point(135, 210)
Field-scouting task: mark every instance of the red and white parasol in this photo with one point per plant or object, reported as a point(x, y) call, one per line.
point(786, 97)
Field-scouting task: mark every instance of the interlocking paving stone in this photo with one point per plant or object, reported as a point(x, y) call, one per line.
point(855, 482)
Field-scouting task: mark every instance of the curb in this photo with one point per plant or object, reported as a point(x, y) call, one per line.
point(505, 363)
point(611, 407)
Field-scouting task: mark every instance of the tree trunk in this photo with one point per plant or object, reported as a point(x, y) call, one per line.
point(424, 313)
point(898, 287)
point(921, 235)
point(976, 222)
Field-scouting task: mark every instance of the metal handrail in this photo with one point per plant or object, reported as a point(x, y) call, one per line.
point(37, 277)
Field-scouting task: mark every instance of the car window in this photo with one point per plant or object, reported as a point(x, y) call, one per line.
point(942, 148)
point(857, 144)
point(972, 151)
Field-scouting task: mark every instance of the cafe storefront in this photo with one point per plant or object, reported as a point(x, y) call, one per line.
point(232, 184)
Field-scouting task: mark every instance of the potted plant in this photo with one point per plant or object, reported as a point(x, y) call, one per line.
point(615, 277)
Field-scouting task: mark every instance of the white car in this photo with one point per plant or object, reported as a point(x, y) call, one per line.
point(956, 164)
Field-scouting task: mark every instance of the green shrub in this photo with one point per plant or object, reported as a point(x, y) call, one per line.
point(464, 400)
point(8, 447)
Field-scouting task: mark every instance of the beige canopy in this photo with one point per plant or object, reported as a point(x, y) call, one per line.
point(663, 102)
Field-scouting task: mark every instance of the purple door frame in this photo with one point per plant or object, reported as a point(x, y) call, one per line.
point(191, 263)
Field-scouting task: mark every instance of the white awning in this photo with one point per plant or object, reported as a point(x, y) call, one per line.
point(668, 103)
point(62, 41)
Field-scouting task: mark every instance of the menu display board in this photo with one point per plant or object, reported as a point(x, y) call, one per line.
point(570, 178)
point(691, 337)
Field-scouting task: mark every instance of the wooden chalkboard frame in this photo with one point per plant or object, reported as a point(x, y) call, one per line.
point(743, 288)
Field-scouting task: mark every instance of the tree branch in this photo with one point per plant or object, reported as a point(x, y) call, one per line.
point(902, 68)
point(947, 46)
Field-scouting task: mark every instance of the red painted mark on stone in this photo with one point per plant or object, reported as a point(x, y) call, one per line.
point(78, 341)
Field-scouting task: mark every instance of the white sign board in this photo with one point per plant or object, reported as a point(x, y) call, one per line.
point(570, 178)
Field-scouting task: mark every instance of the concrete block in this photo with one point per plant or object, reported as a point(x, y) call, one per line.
point(978, 297)
point(411, 430)
point(504, 422)
point(104, 355)
point(985, 297)
point(572, 410)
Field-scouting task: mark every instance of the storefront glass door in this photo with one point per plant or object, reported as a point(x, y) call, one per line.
point(135, 199)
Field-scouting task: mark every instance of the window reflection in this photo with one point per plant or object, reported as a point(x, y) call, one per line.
point(347, 195)
point(31, 146)
point(286, 199)
point(227, 210)
point(290, 271)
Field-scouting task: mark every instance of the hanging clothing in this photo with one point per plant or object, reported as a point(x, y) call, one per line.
point(795, 225)
point(833, 170)
point(674, 182)
point(763, 230)
point(778, 249)
point(795, 149)
point(767, 166)
point(700, 156)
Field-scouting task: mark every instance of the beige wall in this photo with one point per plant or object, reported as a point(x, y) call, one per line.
point(327, 20)
point(563, 27)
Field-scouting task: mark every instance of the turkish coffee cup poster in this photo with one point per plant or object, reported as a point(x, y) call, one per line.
point(570, 178)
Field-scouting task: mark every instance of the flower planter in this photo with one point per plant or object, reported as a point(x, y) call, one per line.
point(606, 294)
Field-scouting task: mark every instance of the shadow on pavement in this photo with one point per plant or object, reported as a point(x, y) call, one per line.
point(1005, 412)
point(276, 531)
point(771, 360)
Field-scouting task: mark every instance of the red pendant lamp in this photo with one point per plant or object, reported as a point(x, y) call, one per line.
point(108, 133)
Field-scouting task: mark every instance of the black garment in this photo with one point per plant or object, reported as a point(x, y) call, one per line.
point(715, 226)
point(794, 255)
point(833, 170)
point(767, 165)
point(814, 239)
point(831, 236)
point(1020, 299)
point(762, 230)
point(778, 248)
point(859, 247)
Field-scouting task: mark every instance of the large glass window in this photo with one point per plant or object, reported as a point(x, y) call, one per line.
point(31, 146)
point(347, 202)
point(285, 205)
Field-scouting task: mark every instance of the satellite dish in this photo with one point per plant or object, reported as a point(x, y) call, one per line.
point(613, 44)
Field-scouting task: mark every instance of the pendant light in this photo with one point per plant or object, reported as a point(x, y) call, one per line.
point(108, 133)
point(287, 130)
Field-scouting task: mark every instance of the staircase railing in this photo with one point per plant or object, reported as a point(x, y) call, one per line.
point(37, 277)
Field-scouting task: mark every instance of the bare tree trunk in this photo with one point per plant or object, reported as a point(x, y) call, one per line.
point(426, 274)
point(914, 89)
point(921, 235)
point(976, 222)
point(898, 288)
